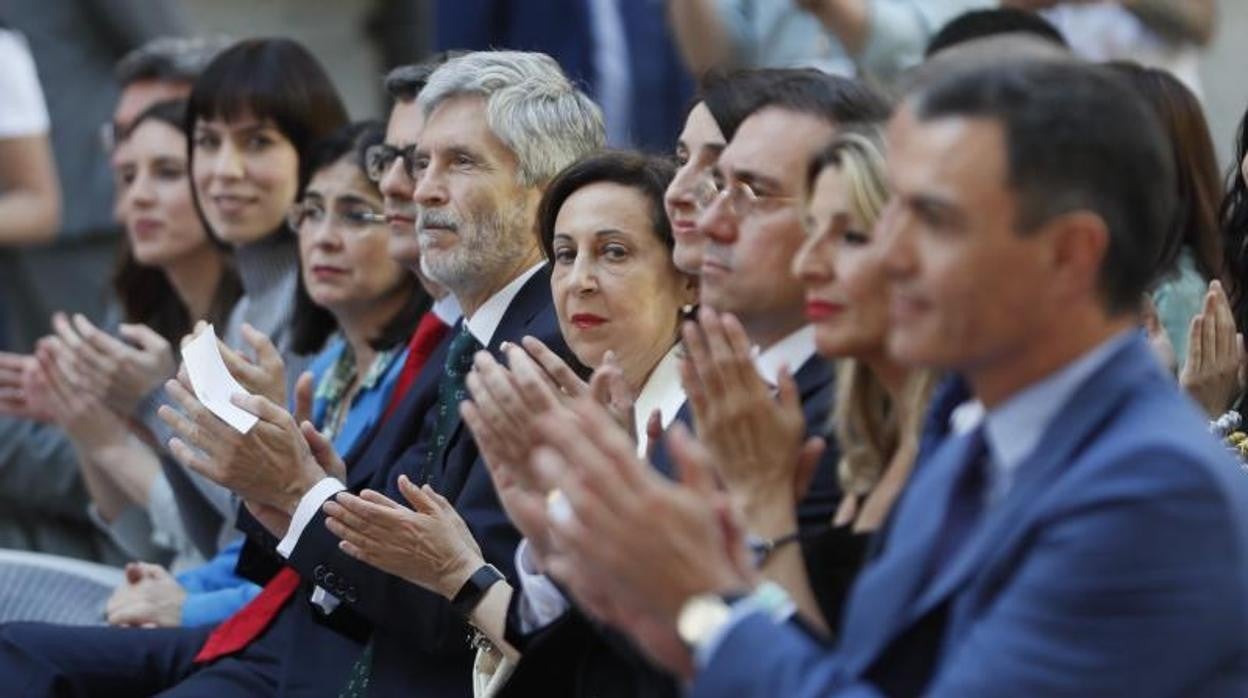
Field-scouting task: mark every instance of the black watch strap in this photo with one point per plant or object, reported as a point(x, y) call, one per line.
point(473, 590)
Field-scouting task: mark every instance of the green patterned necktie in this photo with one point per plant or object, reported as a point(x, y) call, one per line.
point(451, 391)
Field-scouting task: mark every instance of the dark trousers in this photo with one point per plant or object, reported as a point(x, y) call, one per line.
point(40, 659)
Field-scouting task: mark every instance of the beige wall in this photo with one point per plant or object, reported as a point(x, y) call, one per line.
point(1225, 75)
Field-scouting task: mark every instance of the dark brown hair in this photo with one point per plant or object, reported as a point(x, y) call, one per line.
point(145, 292)
point(648, 174)
point(1197, 183)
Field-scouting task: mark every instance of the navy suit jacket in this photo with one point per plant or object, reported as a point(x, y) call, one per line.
point(1117, 565)
point(574, 656)
point(420, 643)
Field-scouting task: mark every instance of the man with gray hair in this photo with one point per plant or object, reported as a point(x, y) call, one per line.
point(498, 126)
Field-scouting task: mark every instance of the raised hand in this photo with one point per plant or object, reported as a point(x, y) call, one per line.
point(23, 388)
point(758, 441)
point(658, 542)
point(1215, 354)
point(270, 465)
point(428, 545)
point(266, 375)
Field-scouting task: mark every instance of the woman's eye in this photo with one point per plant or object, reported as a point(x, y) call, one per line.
point(857, 238)
point(258, 142)
point(206, 140)
point(564, 255)
point(615, 253)
point(170, 173)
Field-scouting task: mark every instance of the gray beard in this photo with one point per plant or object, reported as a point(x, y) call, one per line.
point(491, 249)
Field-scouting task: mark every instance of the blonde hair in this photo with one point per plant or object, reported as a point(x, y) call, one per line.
point(867, 424)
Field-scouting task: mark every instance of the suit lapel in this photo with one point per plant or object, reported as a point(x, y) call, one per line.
point(1080, 421)
point(888, 597)
point(532, 298)
point(877, 607)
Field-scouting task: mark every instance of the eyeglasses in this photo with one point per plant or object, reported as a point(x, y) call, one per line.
point(743, 201)
point(378, 159)
point(354, 220)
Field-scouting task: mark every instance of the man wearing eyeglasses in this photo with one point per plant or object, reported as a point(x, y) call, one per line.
point(752, 220)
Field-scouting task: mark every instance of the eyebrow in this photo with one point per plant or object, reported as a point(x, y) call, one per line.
point(352, 199)
point(756, 178)
point(936, 205)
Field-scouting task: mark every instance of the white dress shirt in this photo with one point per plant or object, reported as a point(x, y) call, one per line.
point(662, 392)
point(482, 325)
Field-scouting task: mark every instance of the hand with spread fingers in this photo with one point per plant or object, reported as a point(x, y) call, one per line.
point(758, 441)
point(127, 370)
point(120, 374)
point(23, 388)
point(80, 412)
point(428, 544)
point(657, 542)
point(271, 465)
point(266, 375)
point(1212, 374)
point(149, 598)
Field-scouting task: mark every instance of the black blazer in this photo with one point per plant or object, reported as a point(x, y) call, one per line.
point(575, 656)
point(420, 644)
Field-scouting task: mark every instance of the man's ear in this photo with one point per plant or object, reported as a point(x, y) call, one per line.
point(1079, 244)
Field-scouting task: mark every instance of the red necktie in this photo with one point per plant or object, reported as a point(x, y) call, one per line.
point(238, 631)
point(425, 339)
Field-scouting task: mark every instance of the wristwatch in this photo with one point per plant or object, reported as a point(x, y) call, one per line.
point(473, 590)
point(700, 618)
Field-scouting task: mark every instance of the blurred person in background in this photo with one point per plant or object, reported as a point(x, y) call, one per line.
point(871, 38)
point(38, 460)
point(1193, 253)
point(620, 51)
point(30, 196)
point(1165, 34)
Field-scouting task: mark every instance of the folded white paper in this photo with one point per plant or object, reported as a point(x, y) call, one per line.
point(212, 381)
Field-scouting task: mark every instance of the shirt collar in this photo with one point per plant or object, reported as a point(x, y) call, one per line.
point(792, 351)
point(1013, 428)
point(447, 309)
point(663, 392)
point(485, 321)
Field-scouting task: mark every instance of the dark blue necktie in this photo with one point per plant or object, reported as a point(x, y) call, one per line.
point(966, 502)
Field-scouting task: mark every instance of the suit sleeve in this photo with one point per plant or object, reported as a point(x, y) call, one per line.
point(759, 657)
point(1094, 609)
point(390, 602)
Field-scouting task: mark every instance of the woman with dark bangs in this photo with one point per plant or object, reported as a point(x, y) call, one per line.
point(253, 117)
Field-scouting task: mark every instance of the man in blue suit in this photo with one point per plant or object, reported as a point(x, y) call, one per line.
point(487, 148)
point(1085, 536)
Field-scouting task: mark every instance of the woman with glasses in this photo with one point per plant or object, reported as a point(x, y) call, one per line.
point(361, 300)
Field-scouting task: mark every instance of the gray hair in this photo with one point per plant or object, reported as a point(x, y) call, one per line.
point(170, 58)
point(530, 105)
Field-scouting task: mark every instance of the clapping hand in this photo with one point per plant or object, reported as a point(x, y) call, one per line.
point(118, 373)
point(428, 544)
point(758, 441)
point(1212, 374)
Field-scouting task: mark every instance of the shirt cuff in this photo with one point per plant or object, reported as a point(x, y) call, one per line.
point(541, 602)
point(324, 600)
point(304, 513)
point(767, 600)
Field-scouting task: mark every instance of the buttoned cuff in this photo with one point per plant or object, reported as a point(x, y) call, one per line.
point(304, 513)
point(541, 602)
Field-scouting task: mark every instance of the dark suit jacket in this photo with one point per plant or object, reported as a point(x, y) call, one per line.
point(420, 644)
point(1116, 565)
point(575, 656)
